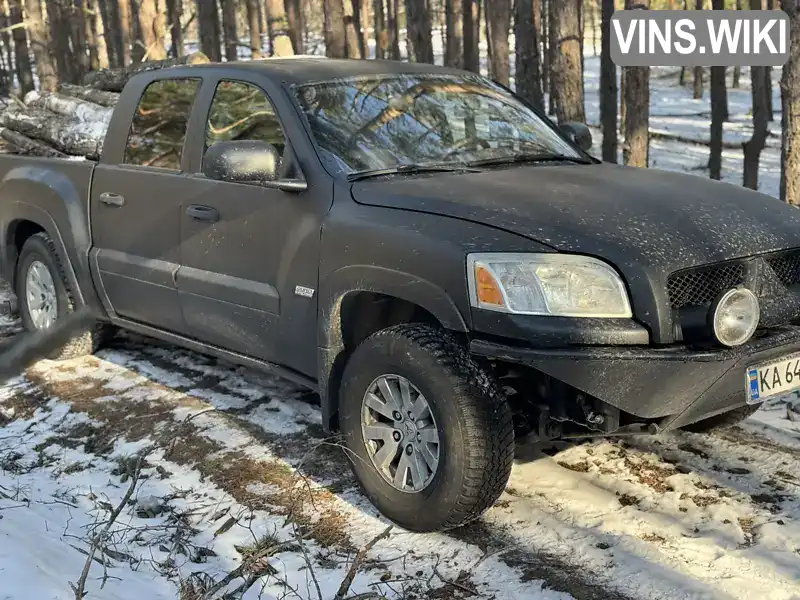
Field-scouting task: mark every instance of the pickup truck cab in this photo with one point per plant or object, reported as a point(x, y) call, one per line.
point(441, 263)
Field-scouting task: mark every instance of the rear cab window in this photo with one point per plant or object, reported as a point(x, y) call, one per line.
point(160, 122)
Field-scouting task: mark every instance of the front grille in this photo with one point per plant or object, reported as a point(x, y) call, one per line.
point(786, 267)
point(699, 287)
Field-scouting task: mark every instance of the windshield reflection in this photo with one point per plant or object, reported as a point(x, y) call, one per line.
point(382, 122)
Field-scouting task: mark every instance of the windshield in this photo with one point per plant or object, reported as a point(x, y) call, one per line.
point(411, 119)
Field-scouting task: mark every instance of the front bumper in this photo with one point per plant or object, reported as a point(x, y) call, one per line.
point(673, 385)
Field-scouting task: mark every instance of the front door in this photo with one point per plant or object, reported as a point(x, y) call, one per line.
point(136, 208)
point(245, 247)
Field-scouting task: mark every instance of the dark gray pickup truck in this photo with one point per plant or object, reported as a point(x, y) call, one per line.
point(440, 262)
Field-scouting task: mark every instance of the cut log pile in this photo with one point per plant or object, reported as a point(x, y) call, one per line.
point(73, 120)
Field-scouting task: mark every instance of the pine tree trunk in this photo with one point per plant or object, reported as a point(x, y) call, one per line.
point(229, 32)
point(718, 117)
point(394, 28)
point(698, 83)
point(567, 81)
point(60, 29)
point(418, 27)
point(23, 59)
point(125, 28)
point(737, 70)
point(359, 33)
point(719, 111)
point(174, 13)
point(281, 42)
point(635, 151)
point(754, 146)
point(471, 47)
point(790, 103)
point(294, 16)
point(379, 25)
point(351, 31)
point(544, 29)
point(498, 18)
point(335, 35)
point(78, 41)
point(636, 92)
point(45, 66)
point(90, 31)
point(770, 5)
point(208, 27)
point(608, 85)
point(110, 18)
point(6, 56)
point(96, 33)
point(453, 53)
point(552, 55)
point(254, 29)
point(527, 77)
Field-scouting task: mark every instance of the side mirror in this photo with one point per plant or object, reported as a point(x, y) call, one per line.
point(242, 161)
point(579, 134)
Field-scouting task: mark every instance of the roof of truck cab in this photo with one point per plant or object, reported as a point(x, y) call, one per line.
point(299, 70)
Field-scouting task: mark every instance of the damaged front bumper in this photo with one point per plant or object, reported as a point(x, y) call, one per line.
point(670, 386)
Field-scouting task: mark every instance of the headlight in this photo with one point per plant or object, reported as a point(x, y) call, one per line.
point(735, 316)
point(564, 285)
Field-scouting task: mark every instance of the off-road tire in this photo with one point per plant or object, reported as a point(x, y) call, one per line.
point(472, 415)
point(727, 419)
point(40, 247)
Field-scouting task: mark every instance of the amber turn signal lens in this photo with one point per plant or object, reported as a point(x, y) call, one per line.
point(488, 289)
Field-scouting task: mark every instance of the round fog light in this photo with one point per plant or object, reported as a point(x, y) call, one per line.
point(735, 316)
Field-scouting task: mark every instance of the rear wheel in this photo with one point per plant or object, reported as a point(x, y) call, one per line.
point(728, 419)
point(44, 295)
point(429, 432)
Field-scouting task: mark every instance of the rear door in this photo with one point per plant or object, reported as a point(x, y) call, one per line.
point(136, 206)
point(246, 247)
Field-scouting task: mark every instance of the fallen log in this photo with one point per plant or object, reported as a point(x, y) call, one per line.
point(113, 80)
point(66, 134)
point(108, 99)
point(71, 107)
point(25, 146)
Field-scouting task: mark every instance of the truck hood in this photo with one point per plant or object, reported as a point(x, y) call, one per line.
point(637, 219)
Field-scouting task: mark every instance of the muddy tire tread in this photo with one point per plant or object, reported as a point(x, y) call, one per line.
point(489, 427)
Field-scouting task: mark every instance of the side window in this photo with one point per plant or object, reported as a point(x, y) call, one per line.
point(158, 128)
point(241, 111)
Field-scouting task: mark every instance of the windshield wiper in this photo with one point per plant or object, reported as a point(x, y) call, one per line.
point(411, 170)
point(520, 158)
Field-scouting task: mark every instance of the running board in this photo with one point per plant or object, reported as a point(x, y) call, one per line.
point(203, 348)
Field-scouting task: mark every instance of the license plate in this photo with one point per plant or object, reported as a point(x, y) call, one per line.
point(775, 378)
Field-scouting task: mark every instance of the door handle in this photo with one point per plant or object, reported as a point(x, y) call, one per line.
point(111, 199)
point(207, 214)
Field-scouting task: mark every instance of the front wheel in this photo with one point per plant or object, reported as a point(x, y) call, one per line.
point(429, 433)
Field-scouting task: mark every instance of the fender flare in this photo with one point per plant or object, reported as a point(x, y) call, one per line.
point(331, 354)
point(72, 240)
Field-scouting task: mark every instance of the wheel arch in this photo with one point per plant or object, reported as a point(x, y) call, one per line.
point(360, 300)
point(34, 199)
